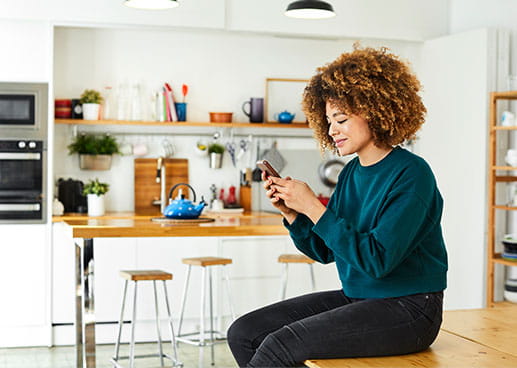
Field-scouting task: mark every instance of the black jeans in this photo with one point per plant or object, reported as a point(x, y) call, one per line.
point(329, 324)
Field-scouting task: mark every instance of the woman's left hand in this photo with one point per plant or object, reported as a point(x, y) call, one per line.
point(298, 196)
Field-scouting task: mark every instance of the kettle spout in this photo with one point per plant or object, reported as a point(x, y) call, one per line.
point(200, 206)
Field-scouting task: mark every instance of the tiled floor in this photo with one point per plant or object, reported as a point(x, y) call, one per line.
point(64, 356)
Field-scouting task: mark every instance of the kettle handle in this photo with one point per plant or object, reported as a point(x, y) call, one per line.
point(188, 185)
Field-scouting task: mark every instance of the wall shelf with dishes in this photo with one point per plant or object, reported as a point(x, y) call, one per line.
point(182, 124)
point(495, 177)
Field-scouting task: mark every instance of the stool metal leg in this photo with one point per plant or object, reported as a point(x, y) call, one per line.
point(121, 321)
point(227, 278)
point(171, 328)
point(202, 311)
point(132, 346)
point(157, 316)
point(183, 299)
point(211, 315)
point(313, 282)
point(284, 282)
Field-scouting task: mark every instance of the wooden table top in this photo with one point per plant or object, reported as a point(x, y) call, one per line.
point(483, 338)
point(494, 327)
point(111, 226)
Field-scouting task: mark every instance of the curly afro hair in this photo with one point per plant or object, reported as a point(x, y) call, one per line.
point(373, 84)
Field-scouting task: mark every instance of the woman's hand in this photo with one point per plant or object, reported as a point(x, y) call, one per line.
point(296, 196)
point(288, 213)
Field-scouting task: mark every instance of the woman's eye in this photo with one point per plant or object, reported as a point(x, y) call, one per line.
point(342, 121)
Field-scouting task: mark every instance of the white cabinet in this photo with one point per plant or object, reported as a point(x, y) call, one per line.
point(24, 310)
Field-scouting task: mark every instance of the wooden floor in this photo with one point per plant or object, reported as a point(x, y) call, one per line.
point(484, 338)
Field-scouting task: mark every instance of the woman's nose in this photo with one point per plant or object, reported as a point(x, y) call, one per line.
point(331, 130)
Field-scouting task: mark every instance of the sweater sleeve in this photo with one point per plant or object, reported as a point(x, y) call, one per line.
point(307, 241)
point(378, 251)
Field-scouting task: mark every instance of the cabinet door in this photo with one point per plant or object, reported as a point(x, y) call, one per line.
point(63, 274)
point(24, 288)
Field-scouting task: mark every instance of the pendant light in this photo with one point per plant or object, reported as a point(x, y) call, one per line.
point(309, 9)
point(151, 4)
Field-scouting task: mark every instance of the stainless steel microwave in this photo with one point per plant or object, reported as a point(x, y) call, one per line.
point(23, 110)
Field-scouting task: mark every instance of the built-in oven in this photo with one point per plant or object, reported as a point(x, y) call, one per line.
point(23, 145)
point(22, 181)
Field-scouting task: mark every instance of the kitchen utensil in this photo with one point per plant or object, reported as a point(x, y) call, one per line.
point(168, 147)
point(181, 208)
point(329, 172)
point(256, 175)
point(184, 91)
point(256, 109)
point(274, 157)
point(243, 144)
point(230, 147)
point(220, 117)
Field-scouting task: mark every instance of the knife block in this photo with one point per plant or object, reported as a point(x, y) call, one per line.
point(147, 189)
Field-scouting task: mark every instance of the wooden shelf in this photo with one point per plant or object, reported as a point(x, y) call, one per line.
point(509, 95)
point(503, 207)
point(493, 257)
point(182, 124)
point(499, 259)
point(499, 127)
point(507, 168)
point(505, 178)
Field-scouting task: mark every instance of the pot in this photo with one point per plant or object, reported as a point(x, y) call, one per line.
point(329, 172)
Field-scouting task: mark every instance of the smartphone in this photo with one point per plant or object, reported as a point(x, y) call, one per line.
point(264, 165)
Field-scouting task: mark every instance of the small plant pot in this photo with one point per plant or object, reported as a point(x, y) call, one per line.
point(95, 162)
point(95, 205)
point(216, 160)
point(91, 111)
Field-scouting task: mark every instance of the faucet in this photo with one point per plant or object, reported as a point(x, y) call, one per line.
point(160, 178)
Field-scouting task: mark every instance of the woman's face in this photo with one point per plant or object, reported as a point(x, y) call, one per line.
point(350, 133)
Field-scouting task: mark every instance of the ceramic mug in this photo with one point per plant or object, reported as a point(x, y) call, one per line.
point(140, 149)
point(256, 109)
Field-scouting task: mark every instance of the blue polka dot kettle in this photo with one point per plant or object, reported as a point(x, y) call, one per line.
point(181, 208)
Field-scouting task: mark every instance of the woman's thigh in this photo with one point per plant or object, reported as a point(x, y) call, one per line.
point(248, 331)
point(371, 327)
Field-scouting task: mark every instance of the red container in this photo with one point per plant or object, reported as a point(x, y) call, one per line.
point(62, 109)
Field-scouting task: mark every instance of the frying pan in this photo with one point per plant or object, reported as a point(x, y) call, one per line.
point(328, 172)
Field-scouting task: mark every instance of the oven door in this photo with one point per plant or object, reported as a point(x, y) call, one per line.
point(21, 181)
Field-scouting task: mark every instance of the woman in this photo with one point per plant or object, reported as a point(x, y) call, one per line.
point(381, 227)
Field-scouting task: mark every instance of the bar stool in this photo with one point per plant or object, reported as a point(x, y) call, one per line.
point(145, 275)
point(294, 258)
point(206, 263)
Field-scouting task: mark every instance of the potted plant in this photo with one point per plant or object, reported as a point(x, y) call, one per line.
point(91, 100)
point(94, 191)
point(215, 151)
point(95, 152)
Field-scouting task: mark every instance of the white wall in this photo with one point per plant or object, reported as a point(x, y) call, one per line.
point(222, 69)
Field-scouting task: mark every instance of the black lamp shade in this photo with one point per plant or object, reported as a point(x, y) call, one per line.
point(310, 9)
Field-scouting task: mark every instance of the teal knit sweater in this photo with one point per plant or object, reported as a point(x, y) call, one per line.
point(382, 228)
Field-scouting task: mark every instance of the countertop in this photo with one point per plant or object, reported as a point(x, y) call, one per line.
point(131, 225)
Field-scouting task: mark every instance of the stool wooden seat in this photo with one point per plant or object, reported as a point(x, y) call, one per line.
point(294, 258)
point(206, 261)
point(144, 275)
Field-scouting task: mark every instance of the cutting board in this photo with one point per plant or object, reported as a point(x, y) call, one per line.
point(147, 189)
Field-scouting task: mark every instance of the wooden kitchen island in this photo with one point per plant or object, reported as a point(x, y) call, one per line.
point(85, 229)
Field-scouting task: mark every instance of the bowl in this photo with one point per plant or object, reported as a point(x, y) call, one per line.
point(220, 117)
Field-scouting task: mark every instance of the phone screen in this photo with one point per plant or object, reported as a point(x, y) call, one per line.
point(264, 165)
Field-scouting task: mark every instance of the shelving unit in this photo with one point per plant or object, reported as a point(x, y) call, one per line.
point(494, 257)
point(183, 124)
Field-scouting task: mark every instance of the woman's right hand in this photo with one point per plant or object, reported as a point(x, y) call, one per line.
point(288, 213)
